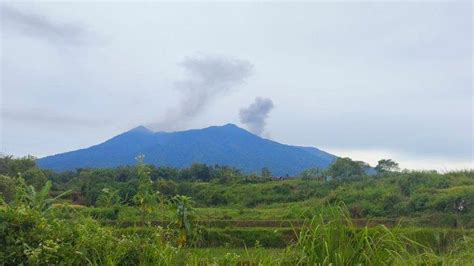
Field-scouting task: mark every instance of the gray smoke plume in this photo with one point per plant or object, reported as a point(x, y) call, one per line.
point(255, 116)
point(40, 26)
point(208, 78)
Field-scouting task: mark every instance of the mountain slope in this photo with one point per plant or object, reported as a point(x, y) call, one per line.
point(225, 145)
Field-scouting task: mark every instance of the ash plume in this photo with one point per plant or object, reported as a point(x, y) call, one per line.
point(255, 116)
point(207, 79)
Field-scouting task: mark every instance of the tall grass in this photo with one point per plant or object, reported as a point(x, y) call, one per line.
point(330, 238)
point(462, 253)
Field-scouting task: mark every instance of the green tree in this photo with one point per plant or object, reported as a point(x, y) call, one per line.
point(7, 188)
point(345, 167)
point(166, 187)
point(386, 165)
point(312, 173)
point(200, 172)
point(14, 166)
point(35, 177)
point(266, 173)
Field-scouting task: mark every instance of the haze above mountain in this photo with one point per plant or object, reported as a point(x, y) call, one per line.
point(224, 145)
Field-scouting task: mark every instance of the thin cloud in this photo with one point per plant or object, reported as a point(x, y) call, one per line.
point(41, 27)
point(41, 117)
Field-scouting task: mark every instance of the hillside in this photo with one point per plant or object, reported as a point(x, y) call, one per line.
point(224, 145)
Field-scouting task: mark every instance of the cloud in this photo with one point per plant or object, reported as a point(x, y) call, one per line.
point(411, 133)
point(207, 78)
point(41, 27)
point(255, 116)
point(47, 118)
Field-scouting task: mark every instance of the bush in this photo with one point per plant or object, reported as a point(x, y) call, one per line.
point(102, 213)
point(27, 237)
point(265, 237)
point(7, 188)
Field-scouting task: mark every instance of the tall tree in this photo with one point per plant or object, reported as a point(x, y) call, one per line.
point(345, 167)
point(386, 165)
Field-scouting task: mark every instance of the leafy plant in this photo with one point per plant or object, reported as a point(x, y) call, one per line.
point(36, 200)
point(109, 198)
point(144, 199)
point(183, 218)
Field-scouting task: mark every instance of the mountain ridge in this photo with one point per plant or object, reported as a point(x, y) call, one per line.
point(226, 145)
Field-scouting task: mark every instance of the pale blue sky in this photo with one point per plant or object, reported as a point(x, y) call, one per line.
point(365, 80)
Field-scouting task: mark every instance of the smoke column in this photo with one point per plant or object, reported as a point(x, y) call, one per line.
point(207, 79)
point(255, 116)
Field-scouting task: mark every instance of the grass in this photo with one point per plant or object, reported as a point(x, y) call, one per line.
point(236, 256)
point(330, 238)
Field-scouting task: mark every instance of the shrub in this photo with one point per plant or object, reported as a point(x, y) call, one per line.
point(27, 237)
point(102, 213)
point(7, 188)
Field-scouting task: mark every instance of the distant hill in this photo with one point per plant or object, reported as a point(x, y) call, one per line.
point(224, 145)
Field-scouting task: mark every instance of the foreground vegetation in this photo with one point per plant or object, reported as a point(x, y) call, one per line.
point(346, 215)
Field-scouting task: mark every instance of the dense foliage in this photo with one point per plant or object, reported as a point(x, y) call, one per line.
point(166, 216)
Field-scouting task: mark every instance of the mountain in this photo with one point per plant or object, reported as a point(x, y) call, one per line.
point(224, 145)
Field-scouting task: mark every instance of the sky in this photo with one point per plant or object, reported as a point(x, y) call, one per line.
point(360, 79)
